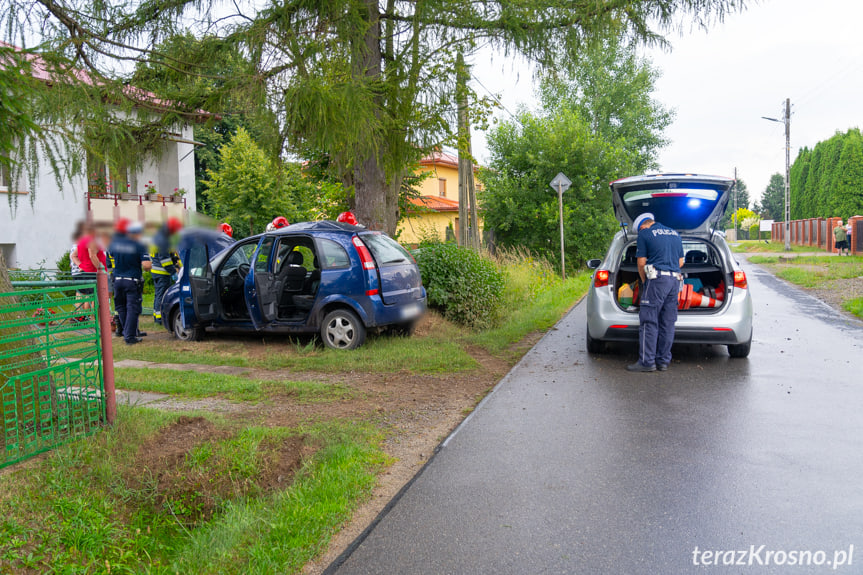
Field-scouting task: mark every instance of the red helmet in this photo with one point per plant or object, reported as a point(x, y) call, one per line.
point(348, 218)
point(226, 229)
point(174, 225)
point(281, 222)
point(121, 225)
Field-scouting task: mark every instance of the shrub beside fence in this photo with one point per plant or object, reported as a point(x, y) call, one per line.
point(51, 373)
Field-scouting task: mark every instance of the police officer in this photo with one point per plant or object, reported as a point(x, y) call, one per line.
point(164, 263)
point(660, 257)
point(130, 261)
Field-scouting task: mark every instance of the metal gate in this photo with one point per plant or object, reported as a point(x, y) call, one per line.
point(858, 236)
point(51, 376)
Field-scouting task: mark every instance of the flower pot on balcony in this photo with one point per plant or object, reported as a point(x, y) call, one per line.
point(154, 197)
point(127, 196)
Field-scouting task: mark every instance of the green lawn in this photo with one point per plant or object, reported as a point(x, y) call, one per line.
point(85, 508)
point(767, 246)
point(235, 387)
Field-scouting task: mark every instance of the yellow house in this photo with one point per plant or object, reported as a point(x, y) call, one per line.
point(437, 207)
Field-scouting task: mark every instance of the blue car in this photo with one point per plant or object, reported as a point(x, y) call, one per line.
point(325, 277)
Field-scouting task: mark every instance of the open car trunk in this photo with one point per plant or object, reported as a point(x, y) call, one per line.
point(702, 271)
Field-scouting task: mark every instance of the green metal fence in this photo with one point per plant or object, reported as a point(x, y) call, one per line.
point(51, 377)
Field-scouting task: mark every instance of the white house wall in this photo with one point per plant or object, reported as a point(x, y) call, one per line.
point(36, 235)
point(40, 233)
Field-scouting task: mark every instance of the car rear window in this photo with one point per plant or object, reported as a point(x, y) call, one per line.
point(385, 250)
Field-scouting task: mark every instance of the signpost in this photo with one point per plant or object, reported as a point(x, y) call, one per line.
point(560, 184)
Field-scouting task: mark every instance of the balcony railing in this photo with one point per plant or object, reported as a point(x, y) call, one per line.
point(140, 199)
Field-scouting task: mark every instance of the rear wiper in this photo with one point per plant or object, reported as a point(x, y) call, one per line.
point(395, 261)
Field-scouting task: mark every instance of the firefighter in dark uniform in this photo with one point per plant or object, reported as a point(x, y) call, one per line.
point(165, 263)
point(660, 256)
point(130, 261)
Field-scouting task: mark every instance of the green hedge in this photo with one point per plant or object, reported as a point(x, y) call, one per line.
point(463, 285)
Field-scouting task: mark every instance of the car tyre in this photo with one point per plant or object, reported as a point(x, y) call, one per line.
point(740, 350)
point(593, 345)
point(342, 329)
point(181, 333)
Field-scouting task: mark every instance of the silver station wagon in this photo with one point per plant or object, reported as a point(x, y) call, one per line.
point(714, 305)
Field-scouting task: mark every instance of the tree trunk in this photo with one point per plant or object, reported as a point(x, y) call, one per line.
point(370, 178)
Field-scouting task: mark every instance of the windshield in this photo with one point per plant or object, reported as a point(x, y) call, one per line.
point(681, 208)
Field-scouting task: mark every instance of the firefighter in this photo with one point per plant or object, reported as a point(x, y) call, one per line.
point(165, 263)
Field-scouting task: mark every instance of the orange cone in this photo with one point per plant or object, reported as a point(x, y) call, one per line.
point(698, 300)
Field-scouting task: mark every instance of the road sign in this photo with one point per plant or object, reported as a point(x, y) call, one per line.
point(560, 183)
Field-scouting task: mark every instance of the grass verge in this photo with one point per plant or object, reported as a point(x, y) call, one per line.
point(88, 507)
point(234, 387)
point(762, 246)
point(854, 306)
point(537, 313)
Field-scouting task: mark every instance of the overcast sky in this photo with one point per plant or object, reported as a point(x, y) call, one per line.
point(721, 81)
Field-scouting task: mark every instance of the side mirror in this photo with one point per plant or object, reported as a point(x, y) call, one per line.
point(593, 264)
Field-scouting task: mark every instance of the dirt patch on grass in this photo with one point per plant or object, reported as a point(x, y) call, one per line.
point(172, 443)
point(194, 487)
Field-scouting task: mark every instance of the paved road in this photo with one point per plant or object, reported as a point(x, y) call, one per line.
point(575, 466)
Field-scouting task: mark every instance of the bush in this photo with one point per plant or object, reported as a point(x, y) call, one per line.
point(754, 231)
point(465, 286)
point(64, 264)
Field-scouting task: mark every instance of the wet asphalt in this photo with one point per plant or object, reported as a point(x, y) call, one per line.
point(573, 465)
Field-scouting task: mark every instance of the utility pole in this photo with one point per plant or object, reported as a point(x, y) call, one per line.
point(736, 236)
point(788, 174)
point(467, 212)
point(787, 121)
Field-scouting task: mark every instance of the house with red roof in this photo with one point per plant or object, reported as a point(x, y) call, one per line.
point(435, 211)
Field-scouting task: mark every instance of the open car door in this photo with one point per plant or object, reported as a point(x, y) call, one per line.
point(199, 296)
point(261, 286)
point(689, 203)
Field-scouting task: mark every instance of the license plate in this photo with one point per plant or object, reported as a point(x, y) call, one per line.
point(410, 311)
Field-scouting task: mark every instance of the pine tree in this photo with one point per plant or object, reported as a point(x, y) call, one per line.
point(773, 199)
point(369, 83)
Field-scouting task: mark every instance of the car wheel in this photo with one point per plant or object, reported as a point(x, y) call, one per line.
point(593, 345)
point(342, 329)
point(740, 350)
point(181, 333)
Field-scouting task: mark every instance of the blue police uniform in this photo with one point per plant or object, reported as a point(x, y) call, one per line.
point(658, 307)
point(128, 279)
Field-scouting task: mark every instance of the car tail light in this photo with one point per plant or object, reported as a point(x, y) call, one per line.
point(363, 252)
point(740, 280)
point(722, 328)
point(372, 292)
point(601, 278)
point(620, 326)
